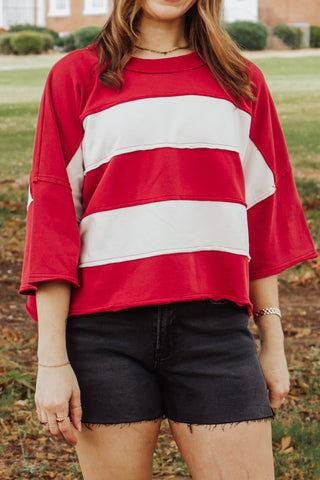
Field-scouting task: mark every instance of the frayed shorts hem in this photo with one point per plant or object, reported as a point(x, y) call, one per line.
point(210, 426)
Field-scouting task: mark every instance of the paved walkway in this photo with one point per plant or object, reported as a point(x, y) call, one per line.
point(304, 52)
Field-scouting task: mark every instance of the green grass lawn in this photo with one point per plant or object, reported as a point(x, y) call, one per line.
point(295, 87)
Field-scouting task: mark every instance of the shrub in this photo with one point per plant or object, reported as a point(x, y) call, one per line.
point(248, 35)
point(35, 28)
point(314, 36)
point(48, 41)
point(5, 47)
point(290, 35)
point(26, 42)
point(67, 43)
point(85, 36)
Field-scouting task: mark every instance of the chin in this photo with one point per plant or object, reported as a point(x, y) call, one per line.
point(166, 9)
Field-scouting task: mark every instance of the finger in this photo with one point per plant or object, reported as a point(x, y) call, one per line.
point(275, 402)
point(276, 398)
point(53, 425)
point(38, 411)
point(63, 432)
point(42, 417)
point(65, 428)
point(76, 410)
point(76, 416)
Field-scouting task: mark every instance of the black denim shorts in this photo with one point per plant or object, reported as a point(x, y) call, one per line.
point(193, 362)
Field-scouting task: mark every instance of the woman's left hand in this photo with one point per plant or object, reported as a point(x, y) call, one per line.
point(274, 365)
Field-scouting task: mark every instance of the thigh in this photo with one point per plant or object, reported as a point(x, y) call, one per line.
point(117, 452)
point(241, 451)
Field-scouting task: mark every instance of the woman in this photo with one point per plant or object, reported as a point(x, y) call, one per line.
point(160, 149)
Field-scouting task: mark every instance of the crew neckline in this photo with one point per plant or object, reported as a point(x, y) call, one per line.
point(180, 63)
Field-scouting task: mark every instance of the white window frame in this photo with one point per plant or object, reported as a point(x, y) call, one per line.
point(90, 9)
point(58, 12)
point(41, 13)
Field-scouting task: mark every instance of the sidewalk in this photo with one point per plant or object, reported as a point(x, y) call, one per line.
point(304, 52)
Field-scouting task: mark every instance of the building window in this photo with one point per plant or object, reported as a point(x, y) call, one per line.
point(59, 8)
point(95, 7)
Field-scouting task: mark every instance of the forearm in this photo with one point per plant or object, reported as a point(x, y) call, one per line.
point(264, 293)
point(53, 299)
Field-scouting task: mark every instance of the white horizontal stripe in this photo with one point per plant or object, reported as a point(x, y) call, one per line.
point(187, 121)
point(161, 228)
point(259, 179)
point(75, 172)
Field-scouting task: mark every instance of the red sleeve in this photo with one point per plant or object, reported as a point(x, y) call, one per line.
point(52, 236)
point(278, 233)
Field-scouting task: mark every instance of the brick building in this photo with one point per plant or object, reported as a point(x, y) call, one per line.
point(69, 15)
point(273, 12)
point(60, 15)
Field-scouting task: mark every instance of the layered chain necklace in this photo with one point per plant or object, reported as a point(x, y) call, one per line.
point(162, 52)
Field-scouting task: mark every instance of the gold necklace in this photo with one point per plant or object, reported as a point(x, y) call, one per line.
point(162, 52)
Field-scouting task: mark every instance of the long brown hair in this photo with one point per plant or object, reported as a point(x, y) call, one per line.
point(203, 31)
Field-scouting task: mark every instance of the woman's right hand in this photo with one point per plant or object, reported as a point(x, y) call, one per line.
point(57, 389)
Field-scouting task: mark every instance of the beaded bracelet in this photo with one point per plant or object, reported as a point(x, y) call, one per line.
point(267, 311)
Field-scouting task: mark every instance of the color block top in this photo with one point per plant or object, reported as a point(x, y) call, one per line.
point(162, 192)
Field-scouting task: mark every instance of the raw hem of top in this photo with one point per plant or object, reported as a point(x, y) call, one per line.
point(158, 301)
point(31, 287)
point(281, 268)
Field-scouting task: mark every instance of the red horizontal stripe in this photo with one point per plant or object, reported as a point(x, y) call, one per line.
point(164, 174)
point(162, 279)
point(159, 280)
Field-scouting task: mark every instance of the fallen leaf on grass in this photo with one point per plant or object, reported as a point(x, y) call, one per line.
point(287, 451)
point(298, 332)
point(21, 403)
point(12, 438)
point(285, 443)
point(33, 339)
point(10, 334)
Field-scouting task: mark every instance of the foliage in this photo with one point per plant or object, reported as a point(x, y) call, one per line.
point(290, 35)
point(80, 39)
point(85, 36)
point(35, 28)
point(5, 47)
point(248, 35)
point(27, 42)
point(48, 41)
point(25, 39)
point(67, 43)
point(315, 36)
point(309, 192)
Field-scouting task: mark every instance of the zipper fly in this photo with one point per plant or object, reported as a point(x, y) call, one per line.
point(158, 328)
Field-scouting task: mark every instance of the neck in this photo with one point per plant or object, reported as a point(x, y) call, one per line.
point(160, 35)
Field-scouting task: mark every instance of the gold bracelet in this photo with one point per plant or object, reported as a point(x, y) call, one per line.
point(267, 311)
point(61, 365)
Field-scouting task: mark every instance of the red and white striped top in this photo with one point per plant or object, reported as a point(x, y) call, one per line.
point(162, 192)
